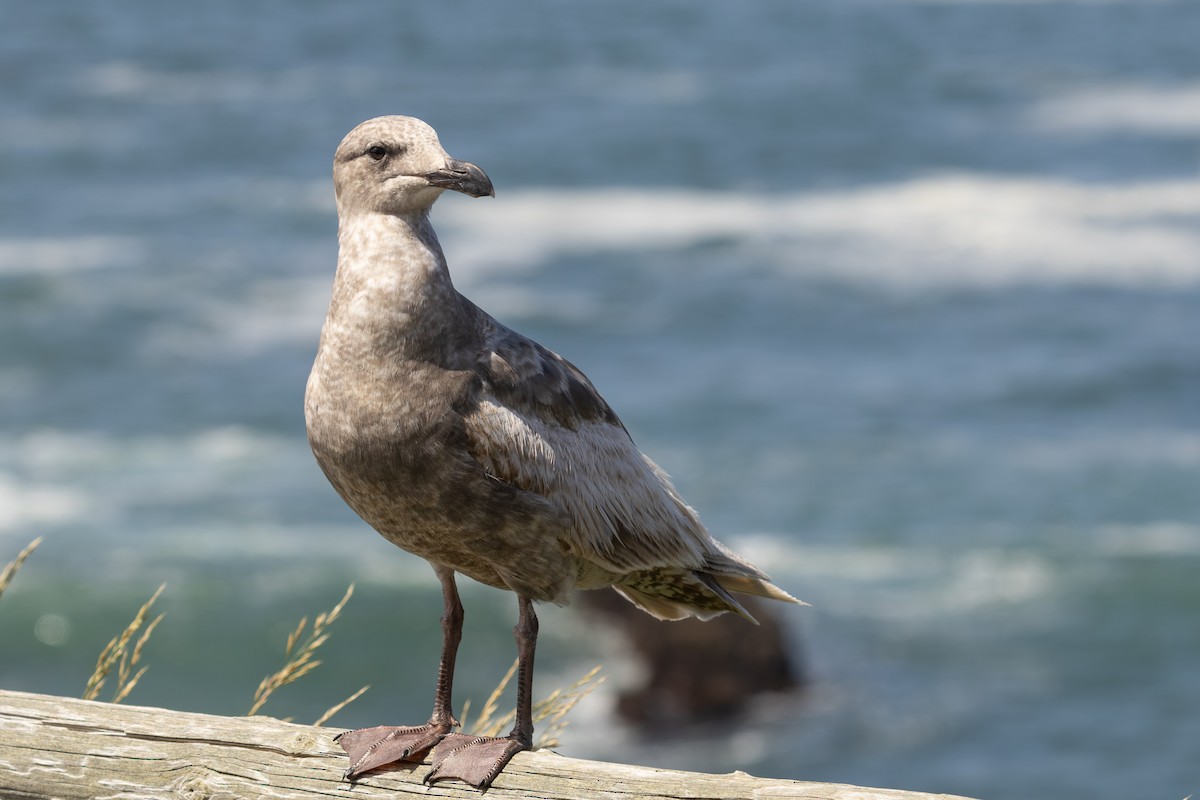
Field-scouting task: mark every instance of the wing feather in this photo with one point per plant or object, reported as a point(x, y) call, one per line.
point(540, 425)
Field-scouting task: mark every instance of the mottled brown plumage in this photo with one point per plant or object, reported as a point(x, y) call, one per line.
point(478, 449)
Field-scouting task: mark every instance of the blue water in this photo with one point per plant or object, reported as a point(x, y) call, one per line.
point(905, 295)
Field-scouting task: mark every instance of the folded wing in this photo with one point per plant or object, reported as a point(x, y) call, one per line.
point(542, 426)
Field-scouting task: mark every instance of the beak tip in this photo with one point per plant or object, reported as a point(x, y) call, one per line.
point(462, 176)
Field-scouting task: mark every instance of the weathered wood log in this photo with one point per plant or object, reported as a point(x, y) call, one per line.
point(57, 747)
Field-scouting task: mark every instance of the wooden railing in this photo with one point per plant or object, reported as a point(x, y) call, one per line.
point(57, 747)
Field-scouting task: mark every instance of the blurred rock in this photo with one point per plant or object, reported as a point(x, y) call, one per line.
point(698, 671)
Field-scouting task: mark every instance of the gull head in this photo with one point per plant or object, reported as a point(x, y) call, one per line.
point(396, 165)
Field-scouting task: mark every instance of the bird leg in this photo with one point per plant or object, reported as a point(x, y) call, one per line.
point(477, 760)
point(369, 748)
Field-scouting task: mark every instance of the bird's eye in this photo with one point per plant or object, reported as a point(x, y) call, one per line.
point(377, 152)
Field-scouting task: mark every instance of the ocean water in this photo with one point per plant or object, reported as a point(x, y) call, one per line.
point(905, 294)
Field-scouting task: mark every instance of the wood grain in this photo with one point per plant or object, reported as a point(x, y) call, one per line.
point(57, 747)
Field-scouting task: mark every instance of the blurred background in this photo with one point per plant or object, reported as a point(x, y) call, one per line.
point(905, 295)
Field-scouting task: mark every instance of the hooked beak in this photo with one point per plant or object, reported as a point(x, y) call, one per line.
point(462, 176)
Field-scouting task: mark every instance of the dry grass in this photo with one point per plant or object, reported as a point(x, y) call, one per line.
point(329, 712)
point(300, 659)
point(10, 569)
point(554, 708)
point(118, 655)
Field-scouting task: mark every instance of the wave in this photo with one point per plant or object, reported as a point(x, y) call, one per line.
point(1035, 2)
point(965, 231)
point(67, 254)
point(1129, 449)
point(946, 231)
point(954, 230)
point(229, 495)
point(25, 506)
point(120, 79)
point(169, 505)
point(123, 79)
point(1122, 108)
point(1154, 539)
point(89, 479)
point(903, 583)
point(271, 313)
point(1133, 449)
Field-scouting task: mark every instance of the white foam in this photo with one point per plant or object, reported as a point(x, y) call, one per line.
point(947, 231)
point(270, 313)
point(1129, 448)
point(1122, 108)
point(67, 254)
point(88, 487)
point(961, 231)
point(124, 79)
point(1132, 449)
point(1030, 2)
point(622, 84)
point(1153, 539)
point(53, 451)
point(909, 583)
point(89, 479)
point(26, 505)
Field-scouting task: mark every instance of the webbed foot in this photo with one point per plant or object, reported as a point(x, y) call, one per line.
point(369, 748)
point(476, 760)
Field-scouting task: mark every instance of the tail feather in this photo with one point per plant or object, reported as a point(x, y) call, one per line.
point(738, 575)
point(676, 594)
point(759, 587)
point(712, 583)
point(662, 607)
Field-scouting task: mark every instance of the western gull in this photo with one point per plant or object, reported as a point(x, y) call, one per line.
point(474, 447)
